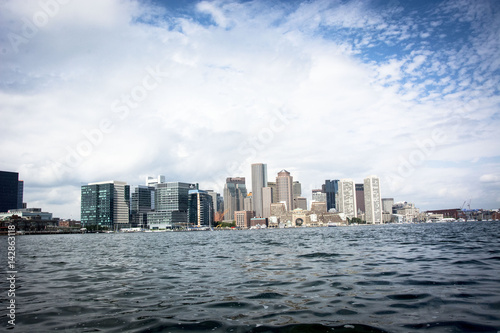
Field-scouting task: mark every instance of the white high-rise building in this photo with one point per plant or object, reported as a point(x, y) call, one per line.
point(347, 198)
point(373, 200)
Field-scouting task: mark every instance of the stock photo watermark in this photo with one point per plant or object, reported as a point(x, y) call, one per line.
point(11, 275)
point(47, 9)
point(425, 148)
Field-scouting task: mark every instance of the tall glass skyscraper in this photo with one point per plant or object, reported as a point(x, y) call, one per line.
point(331, 188)
point(200, 208)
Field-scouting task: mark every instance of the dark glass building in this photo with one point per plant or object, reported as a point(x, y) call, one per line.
point(331, 188)
point(142, 202)
point(200, 208)
point(11, 191)
point(105, 204)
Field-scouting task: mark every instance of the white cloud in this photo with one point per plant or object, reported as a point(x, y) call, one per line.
point(264, 84)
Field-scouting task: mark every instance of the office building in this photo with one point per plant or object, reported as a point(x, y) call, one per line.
point(331, 189)
point(153, 181)
point(141, 203)
point(216, 202)
point(318, 196)
point(243, 218)
point(267, 200)
point(171, 205)
point(347, 198)
point(297, 189)
point(373, 200)
point(284, 184)
point(300, 202)
point(105, 204)
point(11, 191)
point(274, 189)
point(200, 208)
point(259, 181)
point(387, 204)
point(234, 194)
point(248, 203)
point(360, 198)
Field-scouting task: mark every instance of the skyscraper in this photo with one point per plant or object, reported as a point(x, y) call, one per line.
point(105, 204)
point(318, 196)
point(331, 188)
point(267, 200)
point(11, 191)
point(387, 204)
point(373, 200)
point(274, 188)
point(259, 180)
point(360, 197)
point(235, 192)
point(141, 203)
point(347, 198)
point(284, 184)
point(200, 208)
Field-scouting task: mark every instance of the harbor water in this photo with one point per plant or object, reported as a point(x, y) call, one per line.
point(436, 277)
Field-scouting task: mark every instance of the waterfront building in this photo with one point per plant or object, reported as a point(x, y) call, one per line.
point(360, 198)
point(259, 181)
point(267, 200)
point(347, 198)
point(373, 200)
point(171, 205)
point(200, 208)
point(141, 203)
point(331, 189)
point(258, 222)
point(30, 213)
point(243, 218)
point(284, 183)
point(234, 194)
point(387, 204)
point(406, 212)
point(300, 202)
point(11, 191)
point(105, 204)
point(318, 196)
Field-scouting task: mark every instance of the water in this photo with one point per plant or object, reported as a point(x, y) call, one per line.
point(391, 278)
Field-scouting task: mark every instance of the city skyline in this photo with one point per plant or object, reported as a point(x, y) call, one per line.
point(199, 91)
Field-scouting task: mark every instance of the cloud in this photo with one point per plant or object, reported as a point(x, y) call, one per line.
point(489, 178)
point(122, 89)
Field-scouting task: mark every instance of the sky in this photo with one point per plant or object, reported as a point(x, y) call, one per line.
point(199, 90)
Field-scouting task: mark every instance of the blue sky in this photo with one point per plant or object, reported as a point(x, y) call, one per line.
point(197, 91)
